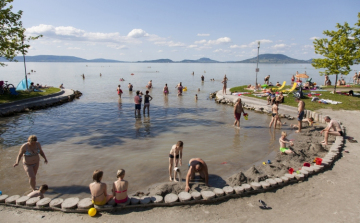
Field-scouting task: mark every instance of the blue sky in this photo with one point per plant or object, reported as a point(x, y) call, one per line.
point(146, 30)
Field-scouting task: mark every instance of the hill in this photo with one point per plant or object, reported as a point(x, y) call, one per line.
point(157, 61)
point(273, 58)
point(53, 58)
point(201, 60)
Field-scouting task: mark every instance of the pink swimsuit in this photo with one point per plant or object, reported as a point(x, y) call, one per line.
point(122, 200)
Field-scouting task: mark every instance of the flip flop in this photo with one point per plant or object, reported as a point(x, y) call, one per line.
point(264, 206)
point(352, 140)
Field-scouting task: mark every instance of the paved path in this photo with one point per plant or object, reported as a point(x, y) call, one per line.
point(36, 101)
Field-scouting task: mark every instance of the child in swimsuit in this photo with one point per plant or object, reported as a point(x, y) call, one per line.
point(283, 141)
point(98, 190)
point(39, 193)
point(176, 151)
point(120, 188)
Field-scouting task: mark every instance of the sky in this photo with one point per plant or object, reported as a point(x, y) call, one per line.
point(137, 30)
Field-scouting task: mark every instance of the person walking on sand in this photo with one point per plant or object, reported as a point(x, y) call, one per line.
point(147, 99)
point(301, 108)
point(119, 91)
point(333, 128)
point(166, 90)
point(137, 101)
point(275, 114)
point(283, 141)
point(238, 109)
point(31, 151)
point(175, 152)
point(197, 165)
point(225, 85)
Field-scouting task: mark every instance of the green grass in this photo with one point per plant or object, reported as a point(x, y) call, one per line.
point(348, 102)
point(6, 98)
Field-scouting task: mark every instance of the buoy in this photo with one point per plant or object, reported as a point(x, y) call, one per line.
point(132, 74)
point(92, 212)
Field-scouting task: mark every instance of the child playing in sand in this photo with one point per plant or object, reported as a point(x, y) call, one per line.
point(176, 151)
point(283, 141)
point(39, 193)
point(310, 122)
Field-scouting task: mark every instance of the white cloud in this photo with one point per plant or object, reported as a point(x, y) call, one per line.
point(203, 34)
point(314, 38)
point(221, 51)
point(200, 41)
point(262, 41)
point(74, 48)
point(160, 51)
point(220, 41)
point(137, 33)
point(237, 46)
point(118, 47)
point(308, 46)
point(170, 44)
point(192, 46)
point(279, 46)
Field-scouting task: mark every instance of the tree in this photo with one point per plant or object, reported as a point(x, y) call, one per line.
point(340, 49)
point(12, 34)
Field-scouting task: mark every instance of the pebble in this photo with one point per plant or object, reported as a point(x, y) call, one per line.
point(196, 195)
point(247, 187)
point(56, 202)
point(207, 195)
point(290, 176)
point(145, 200)
point(228, 190)
point(157, 199)
point(218, 192)
point(12, 199)
point(304, 172)
point(85, 203)
point(171, 198)
point(239, 189)
point(70, 203)
point(32, 201)
point(184, 196)
point(265, 184)
point(308, 169)
point(134, 200)
point(285, 179)
point(255, 185)
point(22, 200)
point(3, 198)
point(299, 176)
point(272, 182)
point(279, 181)
point(43, 202)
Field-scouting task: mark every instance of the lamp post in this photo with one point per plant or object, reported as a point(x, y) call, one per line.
point(257, 64)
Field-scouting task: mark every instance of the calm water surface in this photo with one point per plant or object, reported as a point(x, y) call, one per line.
point(99, 131)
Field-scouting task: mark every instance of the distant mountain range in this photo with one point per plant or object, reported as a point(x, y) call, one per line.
point(263, 58)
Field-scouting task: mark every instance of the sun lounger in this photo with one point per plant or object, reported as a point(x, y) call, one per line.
point(282, 86)
point(291, 89)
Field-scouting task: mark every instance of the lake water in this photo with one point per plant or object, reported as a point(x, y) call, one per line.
point(100, 132)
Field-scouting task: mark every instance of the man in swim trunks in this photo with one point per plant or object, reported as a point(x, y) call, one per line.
point(238, 109)
point(283, 141)
point(197, 165)
point(301, 108)
point(333, 128)
point(130, 86)
point(137, 101)
point(175, 152)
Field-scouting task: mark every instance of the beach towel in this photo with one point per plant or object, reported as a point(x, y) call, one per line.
point(240, 93)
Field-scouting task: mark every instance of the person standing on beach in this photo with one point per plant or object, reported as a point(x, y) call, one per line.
point(333, 128)
point(147, 99)
point(225, 85)
point(266, 79)
point(197, 165)
point(238, 109)
point(326, 80)
point(292, 79)
point(137, 101)
point(301, 108)
point(275, 114)
point(119, 91)
point(175, 152)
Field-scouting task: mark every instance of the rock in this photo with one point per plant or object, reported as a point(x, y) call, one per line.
point(134, 200)
point(265, 184)
point(300, 176)
point(43, 202)
point(239, 189)
point(3, 198)
point(308, 169)
point(85, 203)
point(304, 172)
point(218, 192)
point(228, 190)
point(247, 187)
point(32, 201)
point(290, 176)
point(56, 202)
point(22, 200)
point(12, 199)
point(326, 162)
point(279, 181)
point(196, 195)
point(284, 179)
point(317, 168)
point(171, 198)
point(145, 200)
point(184, 196)
point(70, 203)
point(157, 199)
point(272, 182)
point(255, 185)
point(207, 195)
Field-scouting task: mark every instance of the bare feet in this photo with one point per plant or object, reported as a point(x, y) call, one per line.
point(175, 180)
point(170, 178)
point(297, 131)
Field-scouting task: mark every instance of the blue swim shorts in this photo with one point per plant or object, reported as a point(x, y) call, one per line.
point(301, 116)
point(137, 106)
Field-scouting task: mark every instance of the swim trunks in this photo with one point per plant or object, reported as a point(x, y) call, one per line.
point(341, 133)
point(282, 149)
point(237, 115)
point(273, 114)
point(172, 156)
point(301, 116)
point(137, 106)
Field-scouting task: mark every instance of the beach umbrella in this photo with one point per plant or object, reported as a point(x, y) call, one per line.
point(301, 75)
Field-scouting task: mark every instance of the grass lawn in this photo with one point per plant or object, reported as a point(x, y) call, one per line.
point(348, 102)
point(24, 95)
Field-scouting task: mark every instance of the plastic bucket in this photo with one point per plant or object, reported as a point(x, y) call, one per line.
point(318, 161)
point(306, 164)
point(291, 170)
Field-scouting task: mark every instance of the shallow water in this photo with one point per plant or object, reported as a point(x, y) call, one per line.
point(99, 131)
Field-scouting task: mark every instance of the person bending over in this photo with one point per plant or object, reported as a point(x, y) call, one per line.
point(197, 165)
point(333, 128)
point(175, 152)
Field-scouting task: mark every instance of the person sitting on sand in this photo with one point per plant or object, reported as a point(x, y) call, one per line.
point(197, 165)
point(278, 84)
point(283, 141)
point(333, 128)
point(120, 188)
point(280, 98)
point(271, 98)
point(98, 190)
point(166, 90)
point(343, 81)
point(176, 151)
point(39, 193)
point(309, 121)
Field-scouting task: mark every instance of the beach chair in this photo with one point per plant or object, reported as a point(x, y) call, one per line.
point(281, 87)
point(291, 89)
point(13, 91)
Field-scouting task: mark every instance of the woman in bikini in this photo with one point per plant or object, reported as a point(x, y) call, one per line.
point(275, 114)
point(120, 188)
point(166, 90)
point(225, 84)
point(31, 151)
point(98, 190)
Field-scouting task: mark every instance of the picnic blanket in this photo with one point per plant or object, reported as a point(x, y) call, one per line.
point(240, 93)
point(328, 101)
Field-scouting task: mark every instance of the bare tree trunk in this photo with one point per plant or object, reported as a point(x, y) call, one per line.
point(335, 83)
